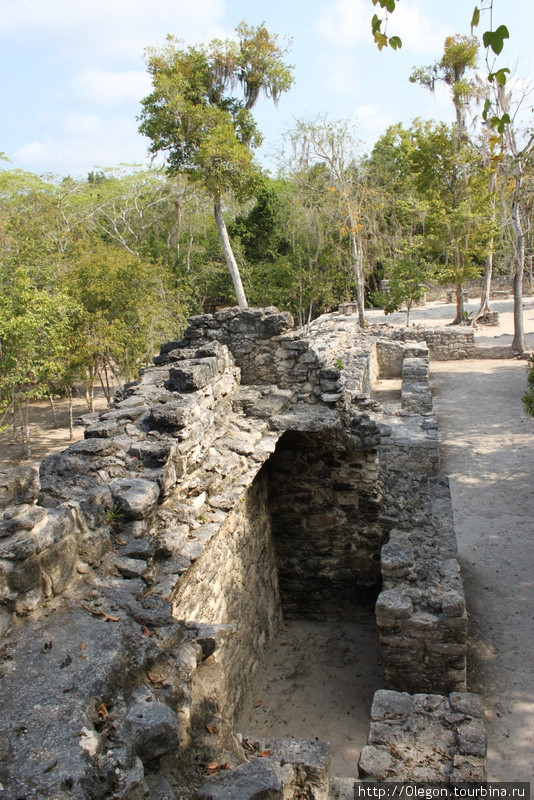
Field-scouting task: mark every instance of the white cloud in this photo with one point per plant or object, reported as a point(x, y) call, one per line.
point(420, 33)
point(346, 23)
point(104, 87)
point(372, 122)
point(110, 29)
point(83, 142)
point(339, 74)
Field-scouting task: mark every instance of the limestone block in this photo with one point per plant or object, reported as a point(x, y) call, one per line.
point(137, 498)
point(138, 548)
point(310, 760)
point(388, 705)
point(275, 324)
point(18, 485)
point(153, 454)
point(263, 778)
point(25, 575)
point(152, 726)
point(58, 523)
point(394, 603)
point(57, 563)
point(467, 703)
point(105, 429)
point(375, 763)
point(18, 547)
point(92, 544)
point(20, 518)
point(192, 375)
point(170, 416)
point(472, 738)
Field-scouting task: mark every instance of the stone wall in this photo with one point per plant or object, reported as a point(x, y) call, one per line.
point(444, 344)
point(499, 283)
point(325, 504)
point(233, 583)
point(421, 610)
point(425, 738)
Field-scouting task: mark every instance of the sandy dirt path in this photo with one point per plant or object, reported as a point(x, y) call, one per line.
point(487, 449)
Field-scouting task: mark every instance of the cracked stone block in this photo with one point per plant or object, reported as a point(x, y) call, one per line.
point(153, 727)
point(58, 563)
point(310, 760)
point(263, 778)
point(136, 497)
point(18, 485)
point(391, 705)
point(16, 520)
point(25, 575)
point(196, 375)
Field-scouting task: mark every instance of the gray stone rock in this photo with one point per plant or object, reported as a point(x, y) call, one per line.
point(58, 563)
point(467, 703)
point(153, 727)
point(391, 705)
point(375, 763)
point(192, 375)
point(139, 549)
point(135, 497)
point(18, 485)
point(261, 779)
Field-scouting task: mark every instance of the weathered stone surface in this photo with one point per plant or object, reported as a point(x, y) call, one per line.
point(57, 564)
point(196, 375)
point(136, 498)
point(309, 758)
point(263, 778)
point(418, 739)
point(18, 485)
point(153, 727)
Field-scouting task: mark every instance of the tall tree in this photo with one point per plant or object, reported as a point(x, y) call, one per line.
point(333, 145)
point(205, 131)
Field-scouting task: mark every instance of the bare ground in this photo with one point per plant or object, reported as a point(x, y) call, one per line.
point(45, 437)
point(487, 449)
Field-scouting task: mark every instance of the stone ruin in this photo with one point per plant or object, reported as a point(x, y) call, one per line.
point(250, 475)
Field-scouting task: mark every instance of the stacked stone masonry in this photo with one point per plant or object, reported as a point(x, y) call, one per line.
point(144, 575)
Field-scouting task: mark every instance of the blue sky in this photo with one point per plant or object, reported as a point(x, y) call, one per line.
point(72, 71)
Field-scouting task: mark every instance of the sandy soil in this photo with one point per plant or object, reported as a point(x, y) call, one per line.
point(487, 449)
point(320, 684)
point(45, 437)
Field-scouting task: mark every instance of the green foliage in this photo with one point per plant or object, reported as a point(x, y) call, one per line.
point(379, 33)
point(528, 397)
point(36, 327)
point(495, 39)
point(204, 130)
point(193, 117)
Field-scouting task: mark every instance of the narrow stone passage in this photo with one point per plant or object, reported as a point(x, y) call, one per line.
point(487, 449)
point(320, 683)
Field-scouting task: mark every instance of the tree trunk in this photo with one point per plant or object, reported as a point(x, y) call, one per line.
point(71, 425)
point(229, 255)
point(518, 342)
point(485, 306)
point(358, 275)
point(53, 410)
point(460, 308)
point(26, 436)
